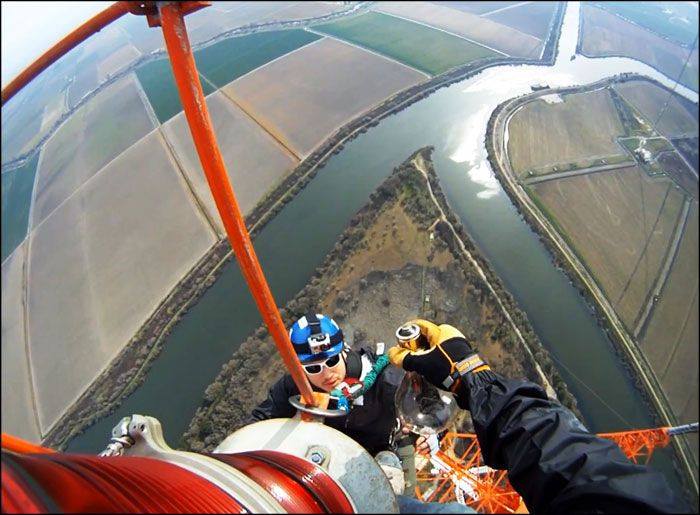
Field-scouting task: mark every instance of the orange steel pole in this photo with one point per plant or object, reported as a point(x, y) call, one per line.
point(187, 79)
point(53, 54)
point(15, 444)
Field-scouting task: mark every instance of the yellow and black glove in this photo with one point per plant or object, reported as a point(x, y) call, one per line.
point(448, 358)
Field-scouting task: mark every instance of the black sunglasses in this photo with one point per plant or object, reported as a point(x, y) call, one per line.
point(316, 368)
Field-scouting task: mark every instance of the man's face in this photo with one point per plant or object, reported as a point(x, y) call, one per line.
point(328, 378)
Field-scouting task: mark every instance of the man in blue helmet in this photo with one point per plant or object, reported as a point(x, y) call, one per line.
point(328, 362)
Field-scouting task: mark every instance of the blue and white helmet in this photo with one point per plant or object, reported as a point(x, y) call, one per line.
point(316, 337)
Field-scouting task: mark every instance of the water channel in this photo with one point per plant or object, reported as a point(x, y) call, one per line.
point(296, 240)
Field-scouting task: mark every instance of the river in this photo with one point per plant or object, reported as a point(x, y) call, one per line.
point(290, 247)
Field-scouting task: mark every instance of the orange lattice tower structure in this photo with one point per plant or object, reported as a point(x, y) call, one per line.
point(457, 471)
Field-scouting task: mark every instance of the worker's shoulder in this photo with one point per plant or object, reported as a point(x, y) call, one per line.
point(390, 374)
point(286, 385)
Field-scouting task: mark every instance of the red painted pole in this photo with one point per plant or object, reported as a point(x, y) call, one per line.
point(192, 97)
point(15, 444)
point(53, 54)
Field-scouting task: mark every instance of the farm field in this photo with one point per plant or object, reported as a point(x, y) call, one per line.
point(254, 160)
point(55, 107)
point(17, 187)
point(423, 48)
point(85, 81)
point(532, 18)
point(231, 58)
point(677, 169)
point(477, 7)
point(137, 31)
point(481, 30)
point(300, 10)
point(117, 61)
point(158, 82)
point(17, 416)
point(22, 116)
point(236, 14)
point(308, 94)
point(21, 123)
point(101, 263)
point(678, 119)
point(620, 223)
point(674, 20)
point(96, 133)
point(604, 34)
point(580, 128)
point(670, 340)
point(688, 148)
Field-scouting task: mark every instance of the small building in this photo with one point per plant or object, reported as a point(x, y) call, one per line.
point(643, 154)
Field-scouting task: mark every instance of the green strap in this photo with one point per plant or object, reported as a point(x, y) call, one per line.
point(369, 379)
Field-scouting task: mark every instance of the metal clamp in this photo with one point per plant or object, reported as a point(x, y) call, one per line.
point(121, 439)
point(295, 400)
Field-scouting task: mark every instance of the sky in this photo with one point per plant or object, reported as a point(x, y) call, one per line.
point(30, 28)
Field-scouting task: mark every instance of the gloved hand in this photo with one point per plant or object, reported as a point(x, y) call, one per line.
point(448, 357)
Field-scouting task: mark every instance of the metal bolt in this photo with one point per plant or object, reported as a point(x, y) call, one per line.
point(316, 457)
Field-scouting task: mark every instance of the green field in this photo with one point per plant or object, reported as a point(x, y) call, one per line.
point(17, 187)
point(158, 82)
point(426, 49)
point(229, 59)
point(675, 20)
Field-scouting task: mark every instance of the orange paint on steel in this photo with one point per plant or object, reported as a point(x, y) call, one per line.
point(192, 97)
point(639, 444)
point(53, 54)
point(15, 444)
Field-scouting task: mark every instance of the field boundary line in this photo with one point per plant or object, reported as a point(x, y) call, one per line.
point(268, 62)
point(279, 139)
point(89, 179)
point(32, 202)
point(503, 9)
point(677, 343)
point(454, 34)
point(647, 240)
point(173, 157)
point(671, 254)
point(371, 51)
point(25, 330)
point(146, 102)
point(582, 171)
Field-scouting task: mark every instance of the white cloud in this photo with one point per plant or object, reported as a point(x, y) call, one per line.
point(31, 28)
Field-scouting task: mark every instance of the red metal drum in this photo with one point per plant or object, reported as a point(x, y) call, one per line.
point(298, 485)
point(45, 483)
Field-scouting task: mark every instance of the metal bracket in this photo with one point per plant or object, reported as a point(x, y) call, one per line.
point(295, 400)
point(121, 439)
point(150, 10)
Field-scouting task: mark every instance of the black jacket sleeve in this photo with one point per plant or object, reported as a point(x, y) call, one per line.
point(277, 403)
point(553, 462)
